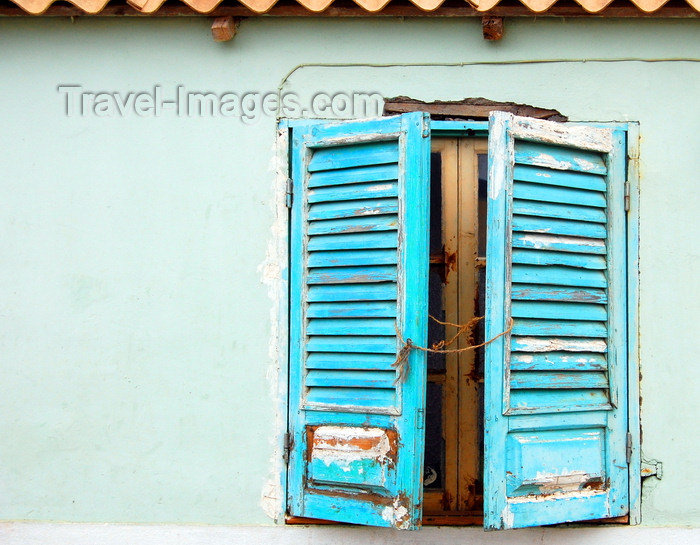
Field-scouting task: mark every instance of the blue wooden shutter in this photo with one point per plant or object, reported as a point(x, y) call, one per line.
point(359, 251)
point(555, 387)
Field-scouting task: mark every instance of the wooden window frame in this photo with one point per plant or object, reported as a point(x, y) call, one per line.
point(460, 226)
point(479, 129)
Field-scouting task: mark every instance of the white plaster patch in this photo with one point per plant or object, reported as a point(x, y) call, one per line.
point(397, 515)
point(272, 274)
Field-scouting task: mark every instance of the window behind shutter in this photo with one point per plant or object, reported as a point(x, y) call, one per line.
point(359, 250)
point(555, 387)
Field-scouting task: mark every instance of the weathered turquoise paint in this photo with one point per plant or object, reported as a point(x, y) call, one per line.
point(570, 465)
point(135, 326)
point(567, 448)
point(342, 367)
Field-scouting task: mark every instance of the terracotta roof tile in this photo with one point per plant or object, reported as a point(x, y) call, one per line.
point(37, 7)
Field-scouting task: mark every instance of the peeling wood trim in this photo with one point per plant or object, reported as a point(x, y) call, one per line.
point(563, 135)
point(328, 407)
point(562, 496)
point(455, 518)
point(365, 138)
point(551, 344)
point(469, 108)
point(352, 441)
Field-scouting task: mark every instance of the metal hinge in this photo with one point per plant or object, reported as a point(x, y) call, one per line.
point(426, 125)
point(629, 448)
point(627, 196)
point(420, 419)
point(289, 195)
point(287, 447)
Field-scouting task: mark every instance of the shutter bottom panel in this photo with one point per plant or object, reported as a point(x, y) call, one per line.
point(584, 505)
point(543, 462)
point(351, 457)
point(367, 510)
point(352, 475)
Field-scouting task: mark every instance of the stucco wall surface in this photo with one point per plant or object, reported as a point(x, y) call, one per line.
point(139, 252)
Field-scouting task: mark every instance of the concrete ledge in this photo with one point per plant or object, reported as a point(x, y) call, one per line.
point(30, 533)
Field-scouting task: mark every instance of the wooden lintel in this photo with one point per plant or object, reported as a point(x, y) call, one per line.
point(492, 27)
point(470, 108)
point(224, 28)
point(618, 9)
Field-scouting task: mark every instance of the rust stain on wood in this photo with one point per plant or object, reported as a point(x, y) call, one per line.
point(347, 439)
point(446, 500)
point(448, 260)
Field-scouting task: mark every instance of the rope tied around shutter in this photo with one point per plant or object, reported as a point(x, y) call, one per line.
point(401, 363)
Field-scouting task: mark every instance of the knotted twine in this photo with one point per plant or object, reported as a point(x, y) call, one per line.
point(401, 363)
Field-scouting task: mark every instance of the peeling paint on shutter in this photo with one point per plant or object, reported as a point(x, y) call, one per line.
point(556, 404)
point(358, 272)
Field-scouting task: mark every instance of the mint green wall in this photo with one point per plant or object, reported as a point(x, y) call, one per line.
point(137, 381)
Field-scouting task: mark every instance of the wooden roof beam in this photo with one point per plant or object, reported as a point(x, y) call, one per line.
point(223, 29)
point(492, 28)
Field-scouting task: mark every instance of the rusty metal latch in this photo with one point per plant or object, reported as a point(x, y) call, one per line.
point(289, 193)
point(652, 468)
